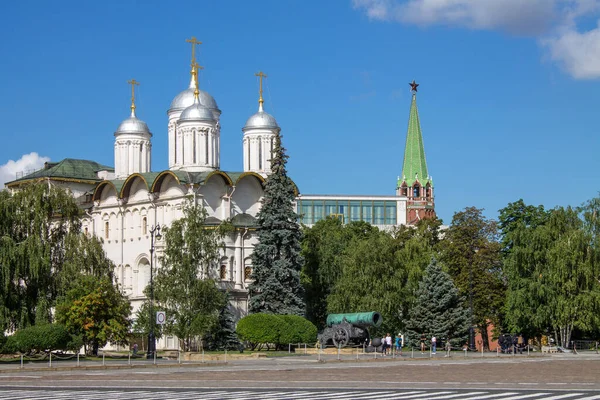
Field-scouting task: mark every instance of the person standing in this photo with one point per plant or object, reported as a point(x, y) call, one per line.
point(433, 344)
point(388, 341)
point(399, 344)
point(423, 338)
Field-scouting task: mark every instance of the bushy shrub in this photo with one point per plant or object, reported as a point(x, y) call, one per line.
point(297, 330)
point(265, 329)
point(40, 338)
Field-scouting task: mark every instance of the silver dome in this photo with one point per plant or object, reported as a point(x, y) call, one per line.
point(197, 112)
point(261, 120)
point(186, 98)
point(133, 125)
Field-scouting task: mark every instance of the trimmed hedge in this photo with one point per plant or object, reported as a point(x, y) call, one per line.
point(40, 338)
point(265, 329)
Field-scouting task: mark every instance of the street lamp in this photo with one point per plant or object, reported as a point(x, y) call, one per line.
point(154, 232)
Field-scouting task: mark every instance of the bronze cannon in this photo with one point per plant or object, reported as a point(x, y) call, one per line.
point(343, 329)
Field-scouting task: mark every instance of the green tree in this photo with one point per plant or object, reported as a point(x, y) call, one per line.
point(185, 286)
point(34, 224)
point(95, 310)
point(552, 272)
point(438, 309)
point(323, 249)
point(222, 335)
point(518, 215)
point(472, 253)
point(380, 273)
point(276, 258)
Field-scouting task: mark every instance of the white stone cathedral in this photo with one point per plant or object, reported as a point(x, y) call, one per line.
point(126, 208)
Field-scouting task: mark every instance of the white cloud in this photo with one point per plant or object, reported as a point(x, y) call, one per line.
point(578, 53)
point(26, 164)
point(553, 22)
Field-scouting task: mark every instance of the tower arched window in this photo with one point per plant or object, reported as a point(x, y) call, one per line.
point(144, 226)
point(404, 190)
point(223, 272)
point(194, 146)
point(416, 190)
point(106, 230)
point(206, 148)
point(175, 144)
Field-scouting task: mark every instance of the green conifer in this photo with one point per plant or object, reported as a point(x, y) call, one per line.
point(438, 310)
point(276, 259)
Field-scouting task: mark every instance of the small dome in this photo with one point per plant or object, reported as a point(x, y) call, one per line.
point(197, 112)
point(133, 125)
point(186, 98)
point(261, 120)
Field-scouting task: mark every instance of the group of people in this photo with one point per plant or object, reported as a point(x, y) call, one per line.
point(423, 341)
point(386, 344)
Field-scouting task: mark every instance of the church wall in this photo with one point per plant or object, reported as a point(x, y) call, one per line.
point(246, 197)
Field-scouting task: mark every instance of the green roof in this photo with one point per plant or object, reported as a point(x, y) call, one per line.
point(68, 169)
point(415, 164)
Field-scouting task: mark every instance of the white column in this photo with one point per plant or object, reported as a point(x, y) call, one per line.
point(179, 146)
point(130, 157)
point(254, 154)
point(239, 262)
point(171, 144)
point(117, 160)
point(144, 162)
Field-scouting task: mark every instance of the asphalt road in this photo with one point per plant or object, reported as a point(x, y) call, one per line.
point(510, 378)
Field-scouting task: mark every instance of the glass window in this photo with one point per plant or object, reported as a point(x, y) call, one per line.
point(144, 226)
point(367, 211)
point(416, 191)
point(344, 210)
point(318, 210)
point(306, 212)
point(330, 207)
point(355, 211)
point(390, 213)
point(247, 272)
point(106, 230)
point(378, 211)
point(223, 272)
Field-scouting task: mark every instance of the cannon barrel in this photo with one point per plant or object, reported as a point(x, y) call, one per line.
point(362, 319)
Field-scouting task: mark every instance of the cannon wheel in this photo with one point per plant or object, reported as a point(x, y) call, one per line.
point(341, 337)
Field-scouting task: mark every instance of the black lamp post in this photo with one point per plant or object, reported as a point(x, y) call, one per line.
point(154, 232)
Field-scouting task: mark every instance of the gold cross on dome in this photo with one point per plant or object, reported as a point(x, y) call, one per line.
point(133, 83)
point(260, 75)
point(194, 42)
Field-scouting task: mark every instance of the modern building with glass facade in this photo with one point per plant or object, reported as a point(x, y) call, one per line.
point(412, 202)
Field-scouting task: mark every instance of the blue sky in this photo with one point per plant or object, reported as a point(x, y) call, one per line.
point(508, 94)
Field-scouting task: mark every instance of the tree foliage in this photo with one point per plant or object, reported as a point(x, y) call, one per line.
point(381, 271)
point(97, 311)
point(222, 335)
point(472, 253)
point(35, 222)
point(438, 309)
point(552, 270)
point(184, 285)
point(323, 247)
point(276, 259)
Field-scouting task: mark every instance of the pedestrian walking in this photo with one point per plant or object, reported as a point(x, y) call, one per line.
point(433, 344)
point(383, 346)
point(448, 348)
point(423, 339)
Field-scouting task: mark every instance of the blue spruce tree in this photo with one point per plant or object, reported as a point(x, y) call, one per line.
point(437, 310)
point(276, 259)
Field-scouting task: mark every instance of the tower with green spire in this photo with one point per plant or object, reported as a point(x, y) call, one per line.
point(415, 183)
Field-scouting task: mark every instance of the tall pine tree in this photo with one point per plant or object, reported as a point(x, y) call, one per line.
point(276, 259)
point(438, 309)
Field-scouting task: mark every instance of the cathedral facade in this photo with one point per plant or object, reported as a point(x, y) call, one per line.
point(123, 205)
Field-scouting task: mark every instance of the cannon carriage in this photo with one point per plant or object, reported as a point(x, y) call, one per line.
point(343, 329)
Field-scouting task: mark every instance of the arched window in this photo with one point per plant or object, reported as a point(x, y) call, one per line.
point(106, 230)
point(416, 190)
point(85, 231)
point(223, 272)
point(404, 190)
point(144, 226)
point(247, 272)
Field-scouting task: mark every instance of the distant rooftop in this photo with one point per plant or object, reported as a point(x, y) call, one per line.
point(69, 169)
